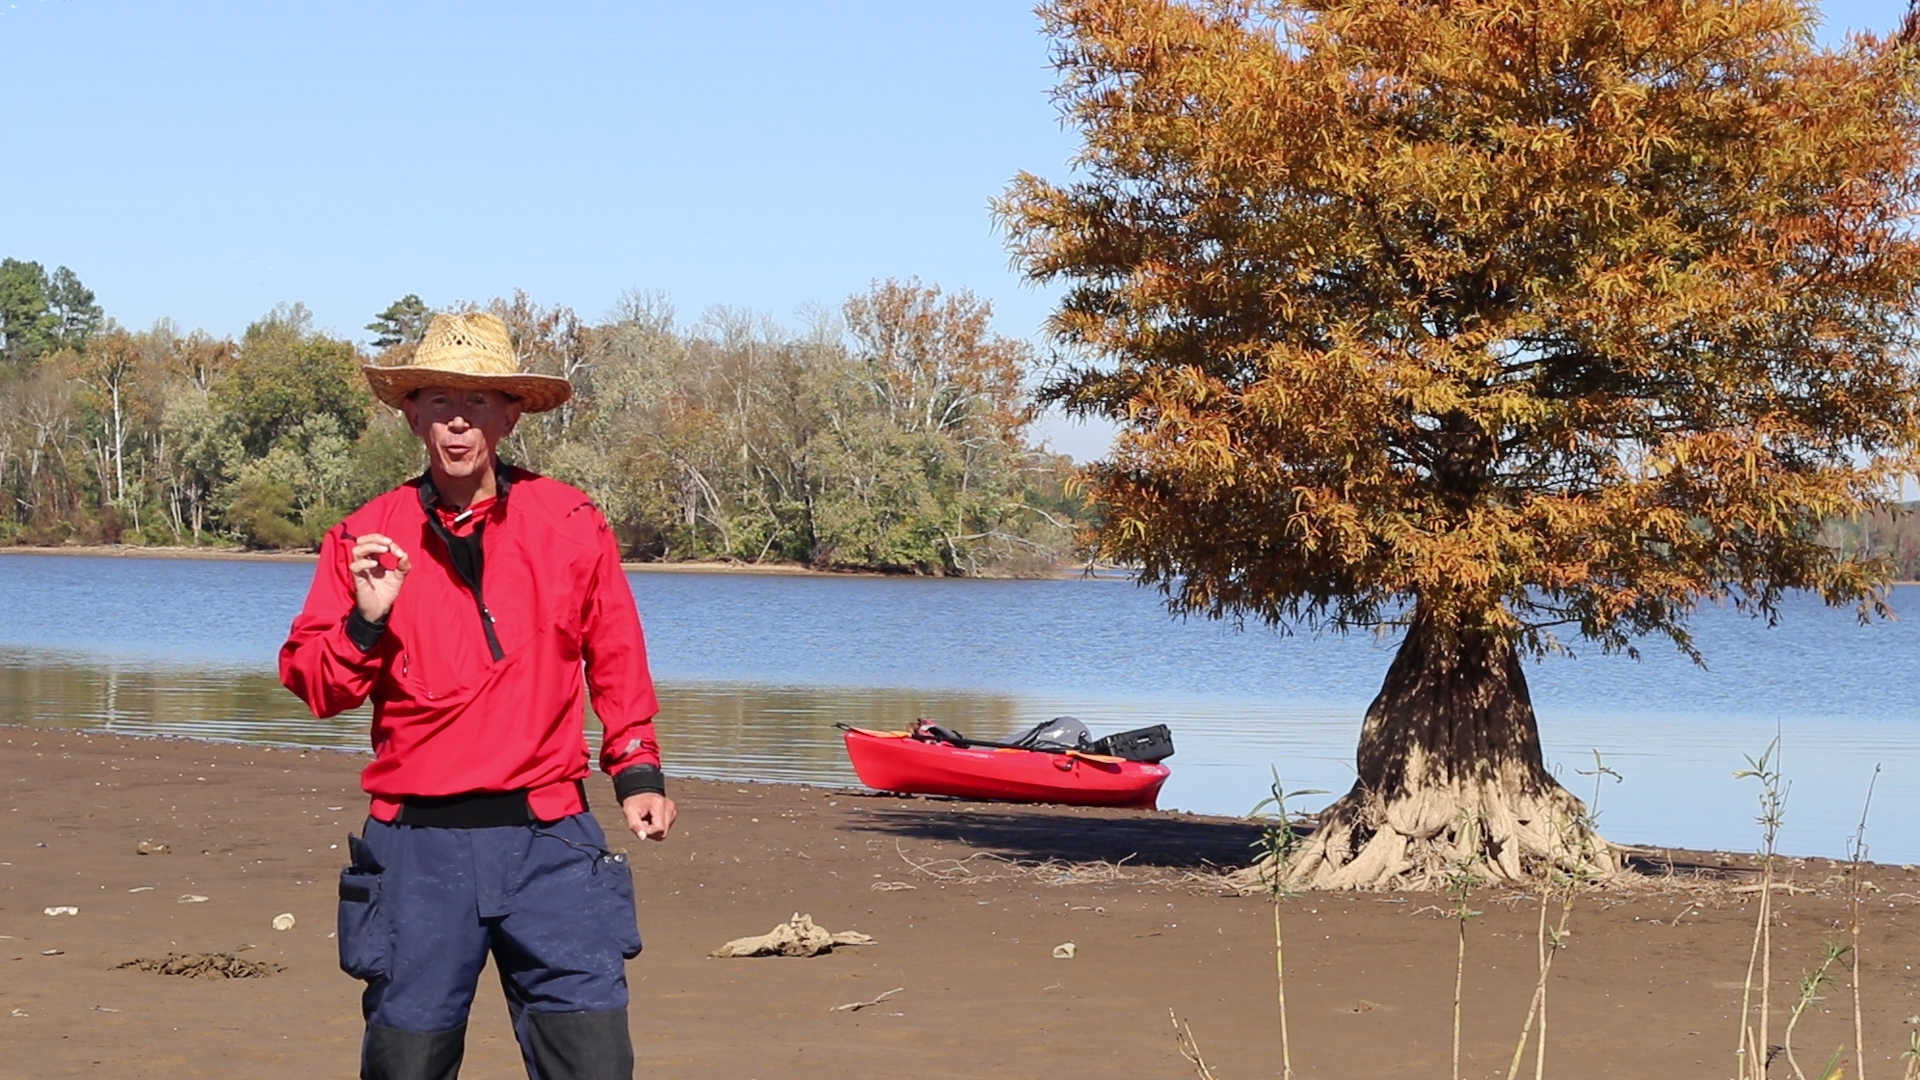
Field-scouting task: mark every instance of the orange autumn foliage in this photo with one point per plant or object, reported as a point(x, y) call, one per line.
point(1534, 317)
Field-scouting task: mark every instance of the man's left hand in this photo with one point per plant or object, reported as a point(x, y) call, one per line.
point(649, 815)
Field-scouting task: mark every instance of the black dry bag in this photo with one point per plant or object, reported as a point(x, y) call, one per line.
point(1141, 744)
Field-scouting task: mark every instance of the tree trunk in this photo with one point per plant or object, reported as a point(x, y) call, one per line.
point(1451, 781)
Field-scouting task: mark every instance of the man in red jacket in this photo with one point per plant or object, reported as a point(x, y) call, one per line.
point(465, 605)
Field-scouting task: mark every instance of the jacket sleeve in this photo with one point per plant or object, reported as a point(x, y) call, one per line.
point(320, 663)
point(615, 651)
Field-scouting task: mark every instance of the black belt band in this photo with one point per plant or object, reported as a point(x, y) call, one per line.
point(475, 810)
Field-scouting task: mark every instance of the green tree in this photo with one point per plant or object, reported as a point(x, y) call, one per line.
point(199, 452)
point(286, 373)
point(76, 316)
point(261, 512)
point(29, 328)
point(403, 323)
point(108, 373)
point(1491, 320)
point(385, 455)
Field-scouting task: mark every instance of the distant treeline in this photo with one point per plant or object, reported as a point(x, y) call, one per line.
point(892, 434)
point(1894, 536)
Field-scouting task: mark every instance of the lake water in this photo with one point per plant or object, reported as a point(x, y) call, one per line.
point(754, 670)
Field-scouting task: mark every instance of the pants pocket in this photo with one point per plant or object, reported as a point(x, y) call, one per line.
point(363, 930)
point(613, 877)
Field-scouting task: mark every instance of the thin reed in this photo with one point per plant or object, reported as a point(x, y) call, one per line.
point(1277, 844)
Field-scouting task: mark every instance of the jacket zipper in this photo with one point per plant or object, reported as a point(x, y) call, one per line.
point(486, 623)
point(428, 497)
point(472, 583)
point(480, 602)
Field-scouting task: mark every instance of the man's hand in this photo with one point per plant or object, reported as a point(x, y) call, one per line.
point(379, 568)
point(649, 814)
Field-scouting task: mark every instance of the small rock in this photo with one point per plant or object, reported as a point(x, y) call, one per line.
point(51, 952)
point(151, 847)
point(283, 921)
point(18, 1012)
point(63, 909)
point(190, 898)
point(1065, 950)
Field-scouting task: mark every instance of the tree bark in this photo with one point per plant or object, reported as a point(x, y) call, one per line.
point(1451, 781)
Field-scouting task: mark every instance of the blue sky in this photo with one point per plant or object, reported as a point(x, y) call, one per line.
point(206, 160)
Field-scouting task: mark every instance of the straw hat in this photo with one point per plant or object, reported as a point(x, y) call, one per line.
point(470, 351)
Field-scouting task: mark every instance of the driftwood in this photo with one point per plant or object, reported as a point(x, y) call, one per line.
point(797, 936)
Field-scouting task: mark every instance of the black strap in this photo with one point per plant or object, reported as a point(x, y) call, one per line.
point(473, 810)
point(927, 731)
point(480, 810)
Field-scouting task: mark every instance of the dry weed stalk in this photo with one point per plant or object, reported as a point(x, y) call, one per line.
point(1183, 1041)
point(1547, 944)
point(1545, 947)
point(1856, 859)
point(1460, 885)
point(1277, 845)
point(1750, 1055)
point(1058, 872)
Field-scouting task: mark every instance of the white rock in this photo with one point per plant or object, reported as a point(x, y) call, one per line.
point(1064, 951)
point(191, 898)
point(283, 921)
point(63, 909)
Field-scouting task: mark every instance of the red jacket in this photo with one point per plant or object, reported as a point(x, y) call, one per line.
point(449, 717)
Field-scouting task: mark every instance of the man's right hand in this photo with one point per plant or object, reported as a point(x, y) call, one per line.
point(379, 568)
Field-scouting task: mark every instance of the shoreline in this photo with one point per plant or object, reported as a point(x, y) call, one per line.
point(705, 566)
point(1645, 854)
point(966, 903)
point(696, 566)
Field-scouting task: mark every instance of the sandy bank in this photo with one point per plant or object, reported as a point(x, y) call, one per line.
point(1648, 987)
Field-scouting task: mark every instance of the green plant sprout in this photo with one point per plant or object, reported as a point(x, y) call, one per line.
point(1276, 845)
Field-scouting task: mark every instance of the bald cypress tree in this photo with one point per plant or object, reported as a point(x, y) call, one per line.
point(1505, 323)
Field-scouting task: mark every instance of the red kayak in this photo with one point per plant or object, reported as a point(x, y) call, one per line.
point(895, 761)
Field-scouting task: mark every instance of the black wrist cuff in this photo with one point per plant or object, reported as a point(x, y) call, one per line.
point(635, 779)
point(364, 632)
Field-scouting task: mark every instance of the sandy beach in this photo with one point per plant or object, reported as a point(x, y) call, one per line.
point(966, 902)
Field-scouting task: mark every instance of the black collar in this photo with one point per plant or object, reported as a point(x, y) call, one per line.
point(502, 482)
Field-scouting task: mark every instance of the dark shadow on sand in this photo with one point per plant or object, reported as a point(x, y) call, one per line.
point(1142, 839)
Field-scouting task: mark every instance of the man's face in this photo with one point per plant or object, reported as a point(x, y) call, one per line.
point(461, 427)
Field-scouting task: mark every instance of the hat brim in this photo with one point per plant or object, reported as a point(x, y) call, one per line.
point(537, 393)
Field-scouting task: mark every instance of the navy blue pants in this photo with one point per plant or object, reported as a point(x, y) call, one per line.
point(422, 908)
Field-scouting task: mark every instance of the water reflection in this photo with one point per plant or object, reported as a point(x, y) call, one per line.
point(755, 670)
point(732, 731)
point(179, 702)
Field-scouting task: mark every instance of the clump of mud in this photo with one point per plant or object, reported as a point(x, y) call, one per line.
point(217, 965)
